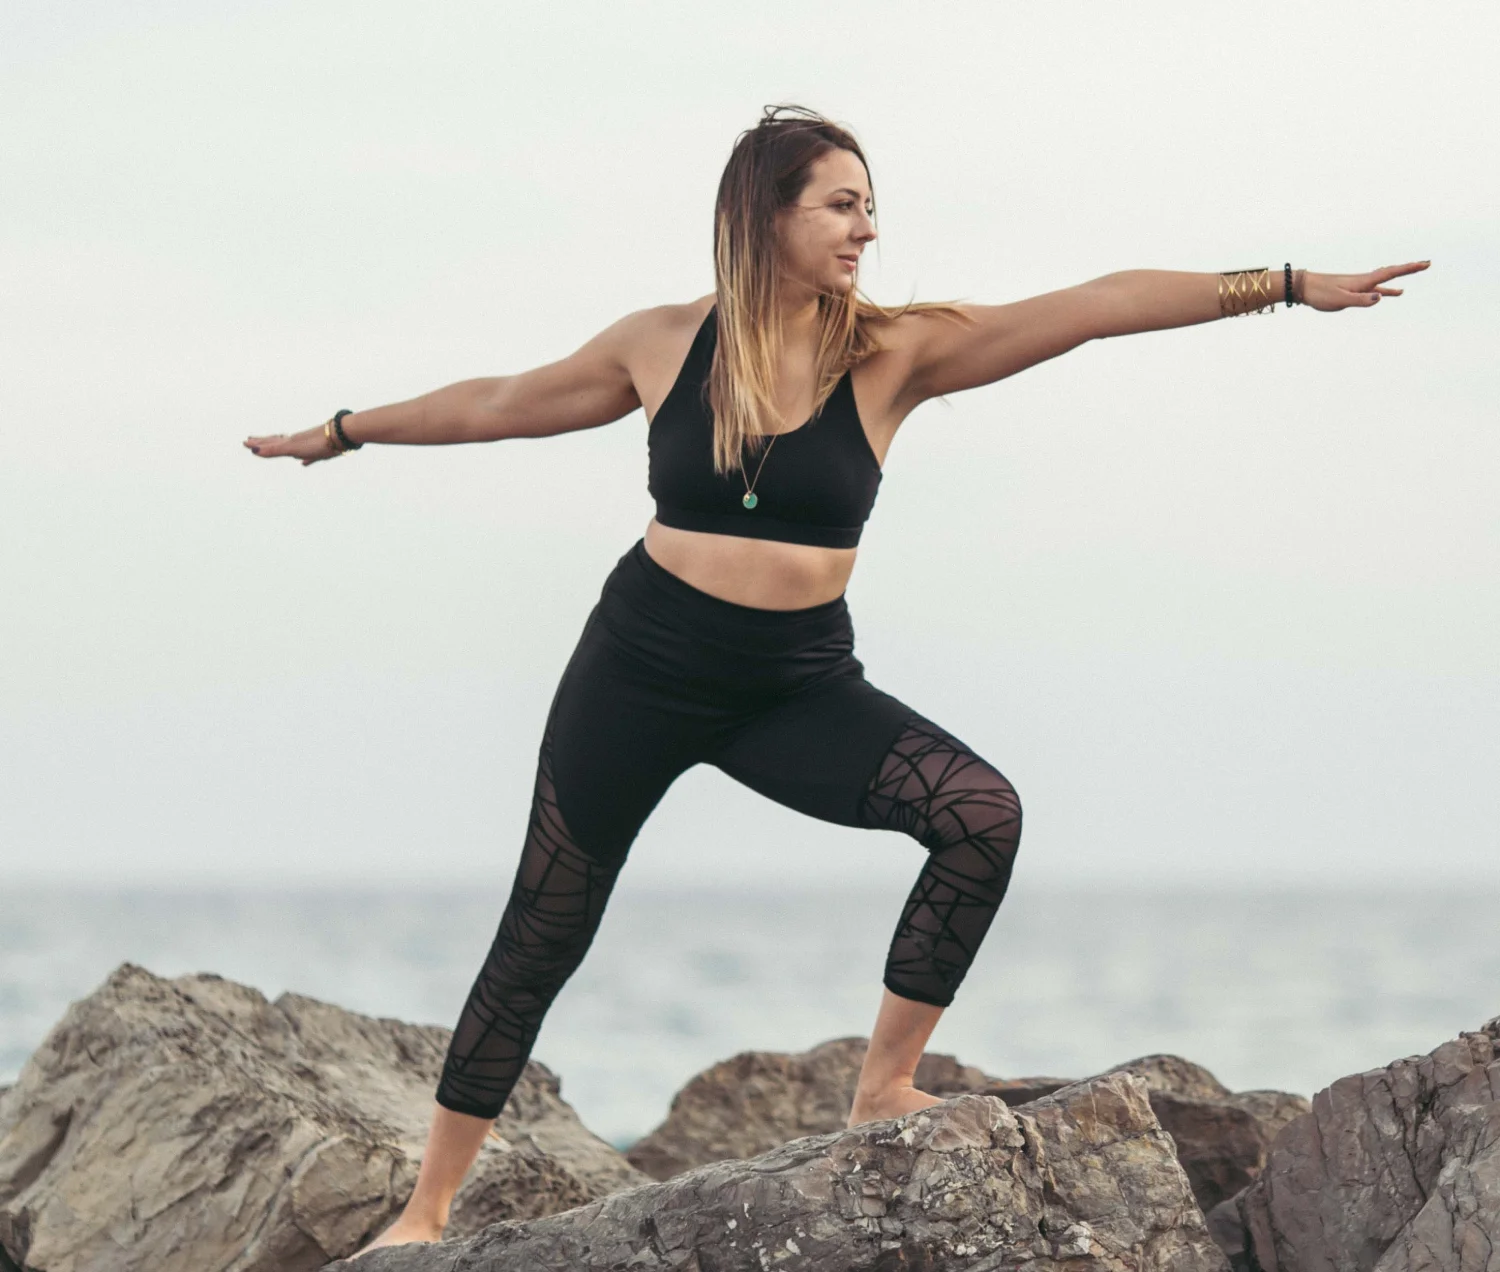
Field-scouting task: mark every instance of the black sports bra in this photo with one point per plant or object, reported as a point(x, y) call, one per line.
point(817, 485)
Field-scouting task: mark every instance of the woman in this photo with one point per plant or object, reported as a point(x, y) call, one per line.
point(723, 636)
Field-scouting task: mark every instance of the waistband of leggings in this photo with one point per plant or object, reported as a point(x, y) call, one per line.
point(639, 565)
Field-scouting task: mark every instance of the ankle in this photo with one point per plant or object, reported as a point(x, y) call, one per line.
point(875, 1094)
point(426, 1212)
point(880, 1084)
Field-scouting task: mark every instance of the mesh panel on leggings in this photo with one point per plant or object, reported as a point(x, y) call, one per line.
point(554, 910)
point(932, 787)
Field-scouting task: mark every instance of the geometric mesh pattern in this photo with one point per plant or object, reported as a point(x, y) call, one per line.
point(555, 907)
point(934, 788)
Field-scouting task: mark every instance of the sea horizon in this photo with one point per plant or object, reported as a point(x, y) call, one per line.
point(1278, 986)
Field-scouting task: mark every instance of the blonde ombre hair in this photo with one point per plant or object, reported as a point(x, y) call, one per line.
point(768, 170)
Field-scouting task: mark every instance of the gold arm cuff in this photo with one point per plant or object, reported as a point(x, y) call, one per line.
point(1244, 291)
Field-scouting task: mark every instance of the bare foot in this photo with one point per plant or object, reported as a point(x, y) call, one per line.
point(404, 1231)
point(892, 1102)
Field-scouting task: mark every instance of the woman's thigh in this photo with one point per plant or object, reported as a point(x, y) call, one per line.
point(615, 740)
point(852, 754)
point(818, 751)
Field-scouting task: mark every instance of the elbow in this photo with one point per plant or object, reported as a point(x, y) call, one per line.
point(1109, 307)
point(488, 410)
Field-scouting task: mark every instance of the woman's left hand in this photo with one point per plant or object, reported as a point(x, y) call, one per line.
point(1330, 292)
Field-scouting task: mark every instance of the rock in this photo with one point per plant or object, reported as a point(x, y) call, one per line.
point(1272, 1109)
point(750, 1103)
point(1221, 1147)
point(190, 1124)
point(1227, 1227)
point(1085, 1175)
point(1172, 1075)
point(1393, 1170)
point(1018, 1091)
point(1221, 1137)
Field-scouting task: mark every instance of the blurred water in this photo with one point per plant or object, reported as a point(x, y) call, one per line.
point(1266, 989)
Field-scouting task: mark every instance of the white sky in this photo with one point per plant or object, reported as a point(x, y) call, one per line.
point(1221, 601)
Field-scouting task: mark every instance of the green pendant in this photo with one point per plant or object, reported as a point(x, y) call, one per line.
point(750, 500)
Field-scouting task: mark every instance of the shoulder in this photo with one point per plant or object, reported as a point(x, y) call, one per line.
point(663, 327)
point(659, 339)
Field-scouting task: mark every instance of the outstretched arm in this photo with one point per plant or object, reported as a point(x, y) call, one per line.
point(1155, 299)
point(999, 340)
point(591, 387)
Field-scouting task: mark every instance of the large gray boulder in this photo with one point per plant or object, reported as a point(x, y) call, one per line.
point(190, 1125)
point(748, 1104)
point(1393, 1170)
point(1222, 1136)
point(1084, 1176)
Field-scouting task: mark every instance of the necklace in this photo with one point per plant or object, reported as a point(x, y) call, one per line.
point(750, 499)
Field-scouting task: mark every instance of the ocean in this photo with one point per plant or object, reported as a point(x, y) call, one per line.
point(1279, 989)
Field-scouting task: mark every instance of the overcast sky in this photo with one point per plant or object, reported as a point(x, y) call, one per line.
point(1221, 601)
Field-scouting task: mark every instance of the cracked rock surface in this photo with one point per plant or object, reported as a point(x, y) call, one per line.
point(1085, 1177)
point(752, 1102)
point(1393, 1170)
point(756, 1100)
point(191, 1125)
point(1222, 1136)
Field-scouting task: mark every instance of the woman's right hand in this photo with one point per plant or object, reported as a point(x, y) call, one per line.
point(309, 446)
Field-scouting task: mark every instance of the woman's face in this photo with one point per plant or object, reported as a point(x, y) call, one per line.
point(823, 234)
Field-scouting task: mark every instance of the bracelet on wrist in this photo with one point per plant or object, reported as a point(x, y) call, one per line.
point(333, 433)
point(338, 427)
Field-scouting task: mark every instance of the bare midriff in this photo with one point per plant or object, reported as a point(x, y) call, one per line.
point(763, 573)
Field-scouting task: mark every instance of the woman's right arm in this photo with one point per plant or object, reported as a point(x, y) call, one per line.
point(591, 387)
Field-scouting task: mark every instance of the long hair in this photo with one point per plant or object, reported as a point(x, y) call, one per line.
point(768, 169)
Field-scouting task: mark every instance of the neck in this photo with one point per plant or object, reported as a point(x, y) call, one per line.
point(799, 317)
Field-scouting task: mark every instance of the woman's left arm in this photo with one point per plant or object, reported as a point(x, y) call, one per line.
point(999, 340)
point(1155, 299)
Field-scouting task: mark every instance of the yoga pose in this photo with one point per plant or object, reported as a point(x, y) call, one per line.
point(722, 637)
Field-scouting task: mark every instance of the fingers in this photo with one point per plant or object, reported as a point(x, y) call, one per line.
point(1367, 291)
point(268, 446)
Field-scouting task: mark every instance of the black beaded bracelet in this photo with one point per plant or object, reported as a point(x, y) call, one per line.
point(338, 424)
point(1289, 301)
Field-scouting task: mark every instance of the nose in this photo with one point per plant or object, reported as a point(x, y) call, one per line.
point(866, 227)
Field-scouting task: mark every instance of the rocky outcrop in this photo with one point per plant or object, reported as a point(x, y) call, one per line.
point(1393, 1170)
point(190, 1124)
point(748, 1104)
point(1222, 1137)
point(1084, 1176)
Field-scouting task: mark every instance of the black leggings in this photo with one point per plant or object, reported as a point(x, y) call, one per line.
point(666, 676)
